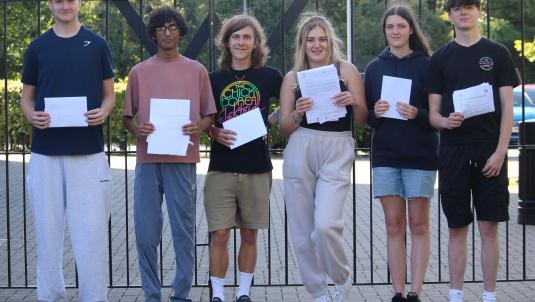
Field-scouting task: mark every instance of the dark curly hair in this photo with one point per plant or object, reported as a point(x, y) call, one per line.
point(456, 3)
point(164, 14)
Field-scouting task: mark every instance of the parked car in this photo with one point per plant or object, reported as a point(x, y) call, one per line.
point(529, 107)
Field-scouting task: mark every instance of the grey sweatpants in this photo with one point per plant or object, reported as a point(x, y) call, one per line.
point(78, 187)
point(316, 169)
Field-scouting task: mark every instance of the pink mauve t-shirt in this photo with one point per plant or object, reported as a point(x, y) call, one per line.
point(180, 78)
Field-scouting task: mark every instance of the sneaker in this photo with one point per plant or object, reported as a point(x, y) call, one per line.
point(398, 297)
point(243, 298)
point(342, 291)
point(322, 299)
point(216, 299)
point(413, 297)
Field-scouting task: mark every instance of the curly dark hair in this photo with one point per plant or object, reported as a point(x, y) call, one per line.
point(456, 3)
point(164, 14)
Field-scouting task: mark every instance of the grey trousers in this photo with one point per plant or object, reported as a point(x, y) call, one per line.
point(317, 168)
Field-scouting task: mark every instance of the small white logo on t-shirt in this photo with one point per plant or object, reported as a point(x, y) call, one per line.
point(86, 43)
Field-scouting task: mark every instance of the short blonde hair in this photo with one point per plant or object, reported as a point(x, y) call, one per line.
point(307, 23)
point(233, 24)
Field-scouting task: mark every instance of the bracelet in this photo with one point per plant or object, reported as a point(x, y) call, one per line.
point(210, 132)
point(296, 121)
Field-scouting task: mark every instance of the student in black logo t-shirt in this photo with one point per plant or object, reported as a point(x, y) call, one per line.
point(473, 149)
point(238, 183)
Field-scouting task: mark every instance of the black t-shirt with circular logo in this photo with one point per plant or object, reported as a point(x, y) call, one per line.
point(237, 92)
point(456, 67)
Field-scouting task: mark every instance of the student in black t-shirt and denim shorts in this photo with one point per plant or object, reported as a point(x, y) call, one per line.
point(473, 151)
point(238, 183)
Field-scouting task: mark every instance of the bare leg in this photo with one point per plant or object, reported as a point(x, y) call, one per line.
point(248, 250)
point(457, 256)
point(394, 210)
point(490, 253)
point(419, 228)
point(219, 253)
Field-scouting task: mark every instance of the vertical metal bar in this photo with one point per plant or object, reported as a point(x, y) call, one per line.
point(507, 250)
point(127, 228)
point(108, 142)
point(317, 6)
point(523, 142)
point(141, 36)
point(39, 22)
point(439, 239)
point(488, 18)
point(6, 147)
point(24, 219)
point(473, 247)
point(350, 36)
point(235, 258)
point(371, 220)
point(286, 254)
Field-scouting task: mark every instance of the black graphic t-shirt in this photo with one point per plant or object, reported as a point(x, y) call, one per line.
point(456, 67)
point(237, 92)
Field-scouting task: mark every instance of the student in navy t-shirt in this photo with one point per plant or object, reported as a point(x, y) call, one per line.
point(68, 172)
point(473, 148)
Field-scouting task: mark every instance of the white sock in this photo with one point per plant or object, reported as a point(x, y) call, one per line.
point(245, 284)
point(489, 296)
point(456, 295)
point(218, 285)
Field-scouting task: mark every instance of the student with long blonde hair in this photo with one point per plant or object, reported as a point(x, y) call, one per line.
point(318, 160)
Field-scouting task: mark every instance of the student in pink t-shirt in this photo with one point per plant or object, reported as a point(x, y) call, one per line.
point(167, 75)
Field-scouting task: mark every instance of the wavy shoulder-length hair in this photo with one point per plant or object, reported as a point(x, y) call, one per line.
point(308, 22)
point(260, 53)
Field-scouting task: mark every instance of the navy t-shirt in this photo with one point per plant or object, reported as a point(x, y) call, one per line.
point(456, 67)
point(237, 92)
point(68, 67)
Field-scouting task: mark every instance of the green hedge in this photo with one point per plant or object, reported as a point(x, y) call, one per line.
point(19, 129)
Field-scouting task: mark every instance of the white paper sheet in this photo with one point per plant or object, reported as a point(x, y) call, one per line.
point(475, 100)
point(321, 84)
point(395, 90)
point(248, 126)
point(168, 116)
point(67, 111)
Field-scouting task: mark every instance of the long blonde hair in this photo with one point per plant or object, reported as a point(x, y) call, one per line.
point(307, 23)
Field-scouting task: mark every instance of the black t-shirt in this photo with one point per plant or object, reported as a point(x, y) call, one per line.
point(237, 92)
point(456, 67)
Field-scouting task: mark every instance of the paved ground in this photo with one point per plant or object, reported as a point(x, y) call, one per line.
point(276, 271)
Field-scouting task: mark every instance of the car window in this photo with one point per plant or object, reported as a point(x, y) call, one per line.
point(529, 97)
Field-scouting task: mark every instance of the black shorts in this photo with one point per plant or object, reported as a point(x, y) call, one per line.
point(460, 178)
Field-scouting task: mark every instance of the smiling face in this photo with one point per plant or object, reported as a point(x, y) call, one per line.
point(65, 11)
point(167, 36)
point(317, 47)
point(242, 43)
point(397, 32)
point(464, 17)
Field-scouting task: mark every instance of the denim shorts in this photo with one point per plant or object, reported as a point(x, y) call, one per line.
point(407, 183)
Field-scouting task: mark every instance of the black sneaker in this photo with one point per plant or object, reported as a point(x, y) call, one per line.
point(243, 298)
point(216, 299)
point(413, 297)
point(398, 298)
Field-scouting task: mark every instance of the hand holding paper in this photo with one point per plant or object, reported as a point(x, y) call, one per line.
point(168, 117)
point(67, 111)
point(395, 90)
point(475, 100)
point(321, 85)
point(248, 127)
